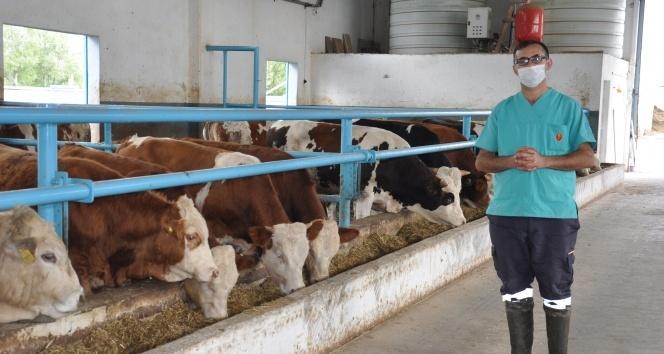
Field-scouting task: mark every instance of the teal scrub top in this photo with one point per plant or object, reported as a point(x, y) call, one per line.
point(554, 125)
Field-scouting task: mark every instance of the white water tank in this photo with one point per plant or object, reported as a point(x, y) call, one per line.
point(584, 25)
point(430, 26)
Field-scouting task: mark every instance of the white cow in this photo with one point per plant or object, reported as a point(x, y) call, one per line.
point(212, 296)
point(36, 276)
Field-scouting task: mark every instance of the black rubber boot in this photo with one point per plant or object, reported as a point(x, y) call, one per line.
point(557, 329)
point(520, 324)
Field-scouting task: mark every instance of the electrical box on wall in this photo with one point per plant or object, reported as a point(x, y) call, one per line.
point(479, 22)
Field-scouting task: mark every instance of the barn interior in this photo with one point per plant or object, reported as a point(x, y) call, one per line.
point(444, 60)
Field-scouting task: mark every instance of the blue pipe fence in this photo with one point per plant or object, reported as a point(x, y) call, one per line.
point(54, 189)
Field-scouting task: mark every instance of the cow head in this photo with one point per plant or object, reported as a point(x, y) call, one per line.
point(324, 241)
point(37, 275)
point(75, 132)
point(197, 259)
point(285, 248)
point(452, 179)
point(450, 182)
point(212, 296)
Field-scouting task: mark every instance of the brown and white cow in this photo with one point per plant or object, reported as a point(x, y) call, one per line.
point(212, 296)
point(392, 184)
point(248, 207)
point(36, 275)
point(136, 235)
point(297, 193)
point(126, 166)
point(241, 132)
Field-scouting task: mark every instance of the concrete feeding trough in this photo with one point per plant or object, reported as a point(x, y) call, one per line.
point(314, 319)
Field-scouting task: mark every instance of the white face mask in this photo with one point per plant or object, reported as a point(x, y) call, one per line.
point(532, 76)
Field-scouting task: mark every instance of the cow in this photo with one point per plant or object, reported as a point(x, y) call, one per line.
point(452, 177)
point(393, 184)
point(212, 296)
point(36, 275)
point(476, 188)
point(132, 236)
point(68, 132)
point(473, 189)
point(297, 193)
point(241, 132)
point(126, 166)
point(249, 208)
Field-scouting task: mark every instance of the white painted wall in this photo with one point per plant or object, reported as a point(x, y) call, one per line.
point(445, 81)
point(153, 50)
point(475, 81)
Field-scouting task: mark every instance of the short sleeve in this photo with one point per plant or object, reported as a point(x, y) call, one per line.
point(488, 139)
point(580, 131)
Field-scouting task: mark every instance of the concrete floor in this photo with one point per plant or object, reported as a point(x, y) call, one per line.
point(617, 294)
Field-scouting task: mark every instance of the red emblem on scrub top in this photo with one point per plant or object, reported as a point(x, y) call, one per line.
point(559, 136)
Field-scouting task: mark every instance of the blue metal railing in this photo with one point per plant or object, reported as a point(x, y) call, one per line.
point(52, 193)
point(224, 80)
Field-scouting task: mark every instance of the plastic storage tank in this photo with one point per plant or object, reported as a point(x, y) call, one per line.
point(584, 25)
point(430, 26)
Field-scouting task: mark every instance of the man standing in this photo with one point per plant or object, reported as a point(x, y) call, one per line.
point(533, 142)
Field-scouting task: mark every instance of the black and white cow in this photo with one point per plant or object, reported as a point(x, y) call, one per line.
point(390, 184)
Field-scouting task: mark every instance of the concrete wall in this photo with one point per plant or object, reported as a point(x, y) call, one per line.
point(445, 81)
point(153, 50)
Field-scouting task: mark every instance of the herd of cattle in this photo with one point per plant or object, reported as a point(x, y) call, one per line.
point(209, 234)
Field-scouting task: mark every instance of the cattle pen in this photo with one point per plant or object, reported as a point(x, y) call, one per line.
point(55, 189)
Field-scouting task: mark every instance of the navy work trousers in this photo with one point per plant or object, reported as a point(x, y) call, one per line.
point(525, 248)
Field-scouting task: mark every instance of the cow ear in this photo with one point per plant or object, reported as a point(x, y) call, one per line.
point(347, 235)
point(313, 229)
point(261, 236)
point(464, 172)
point(434, 170)
point(25, 250)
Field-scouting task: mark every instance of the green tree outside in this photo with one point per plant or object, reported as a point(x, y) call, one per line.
point(40, 58)
point(276, 75)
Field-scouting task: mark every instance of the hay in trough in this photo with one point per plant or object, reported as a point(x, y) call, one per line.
point(130, 334)
point(246, 296)
point(473, 213)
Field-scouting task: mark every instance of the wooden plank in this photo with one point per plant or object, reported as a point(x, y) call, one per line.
point(338, 45)
point(348, 44)
point(329, 44)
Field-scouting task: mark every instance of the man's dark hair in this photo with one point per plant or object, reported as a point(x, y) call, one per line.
point(524, 44)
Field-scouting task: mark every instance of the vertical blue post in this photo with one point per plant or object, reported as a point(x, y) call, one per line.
point(466, 126)
point(256, 78)
point(108, 136)
point(47, 167)
point(224, 97)
point(349, 180)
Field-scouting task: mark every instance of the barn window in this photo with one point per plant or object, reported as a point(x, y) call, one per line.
point(48, 67)
point(281, 83)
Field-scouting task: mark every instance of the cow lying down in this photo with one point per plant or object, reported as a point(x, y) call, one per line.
point(36, 276)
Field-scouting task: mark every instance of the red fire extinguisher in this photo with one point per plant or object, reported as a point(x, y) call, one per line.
point(529, 23)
